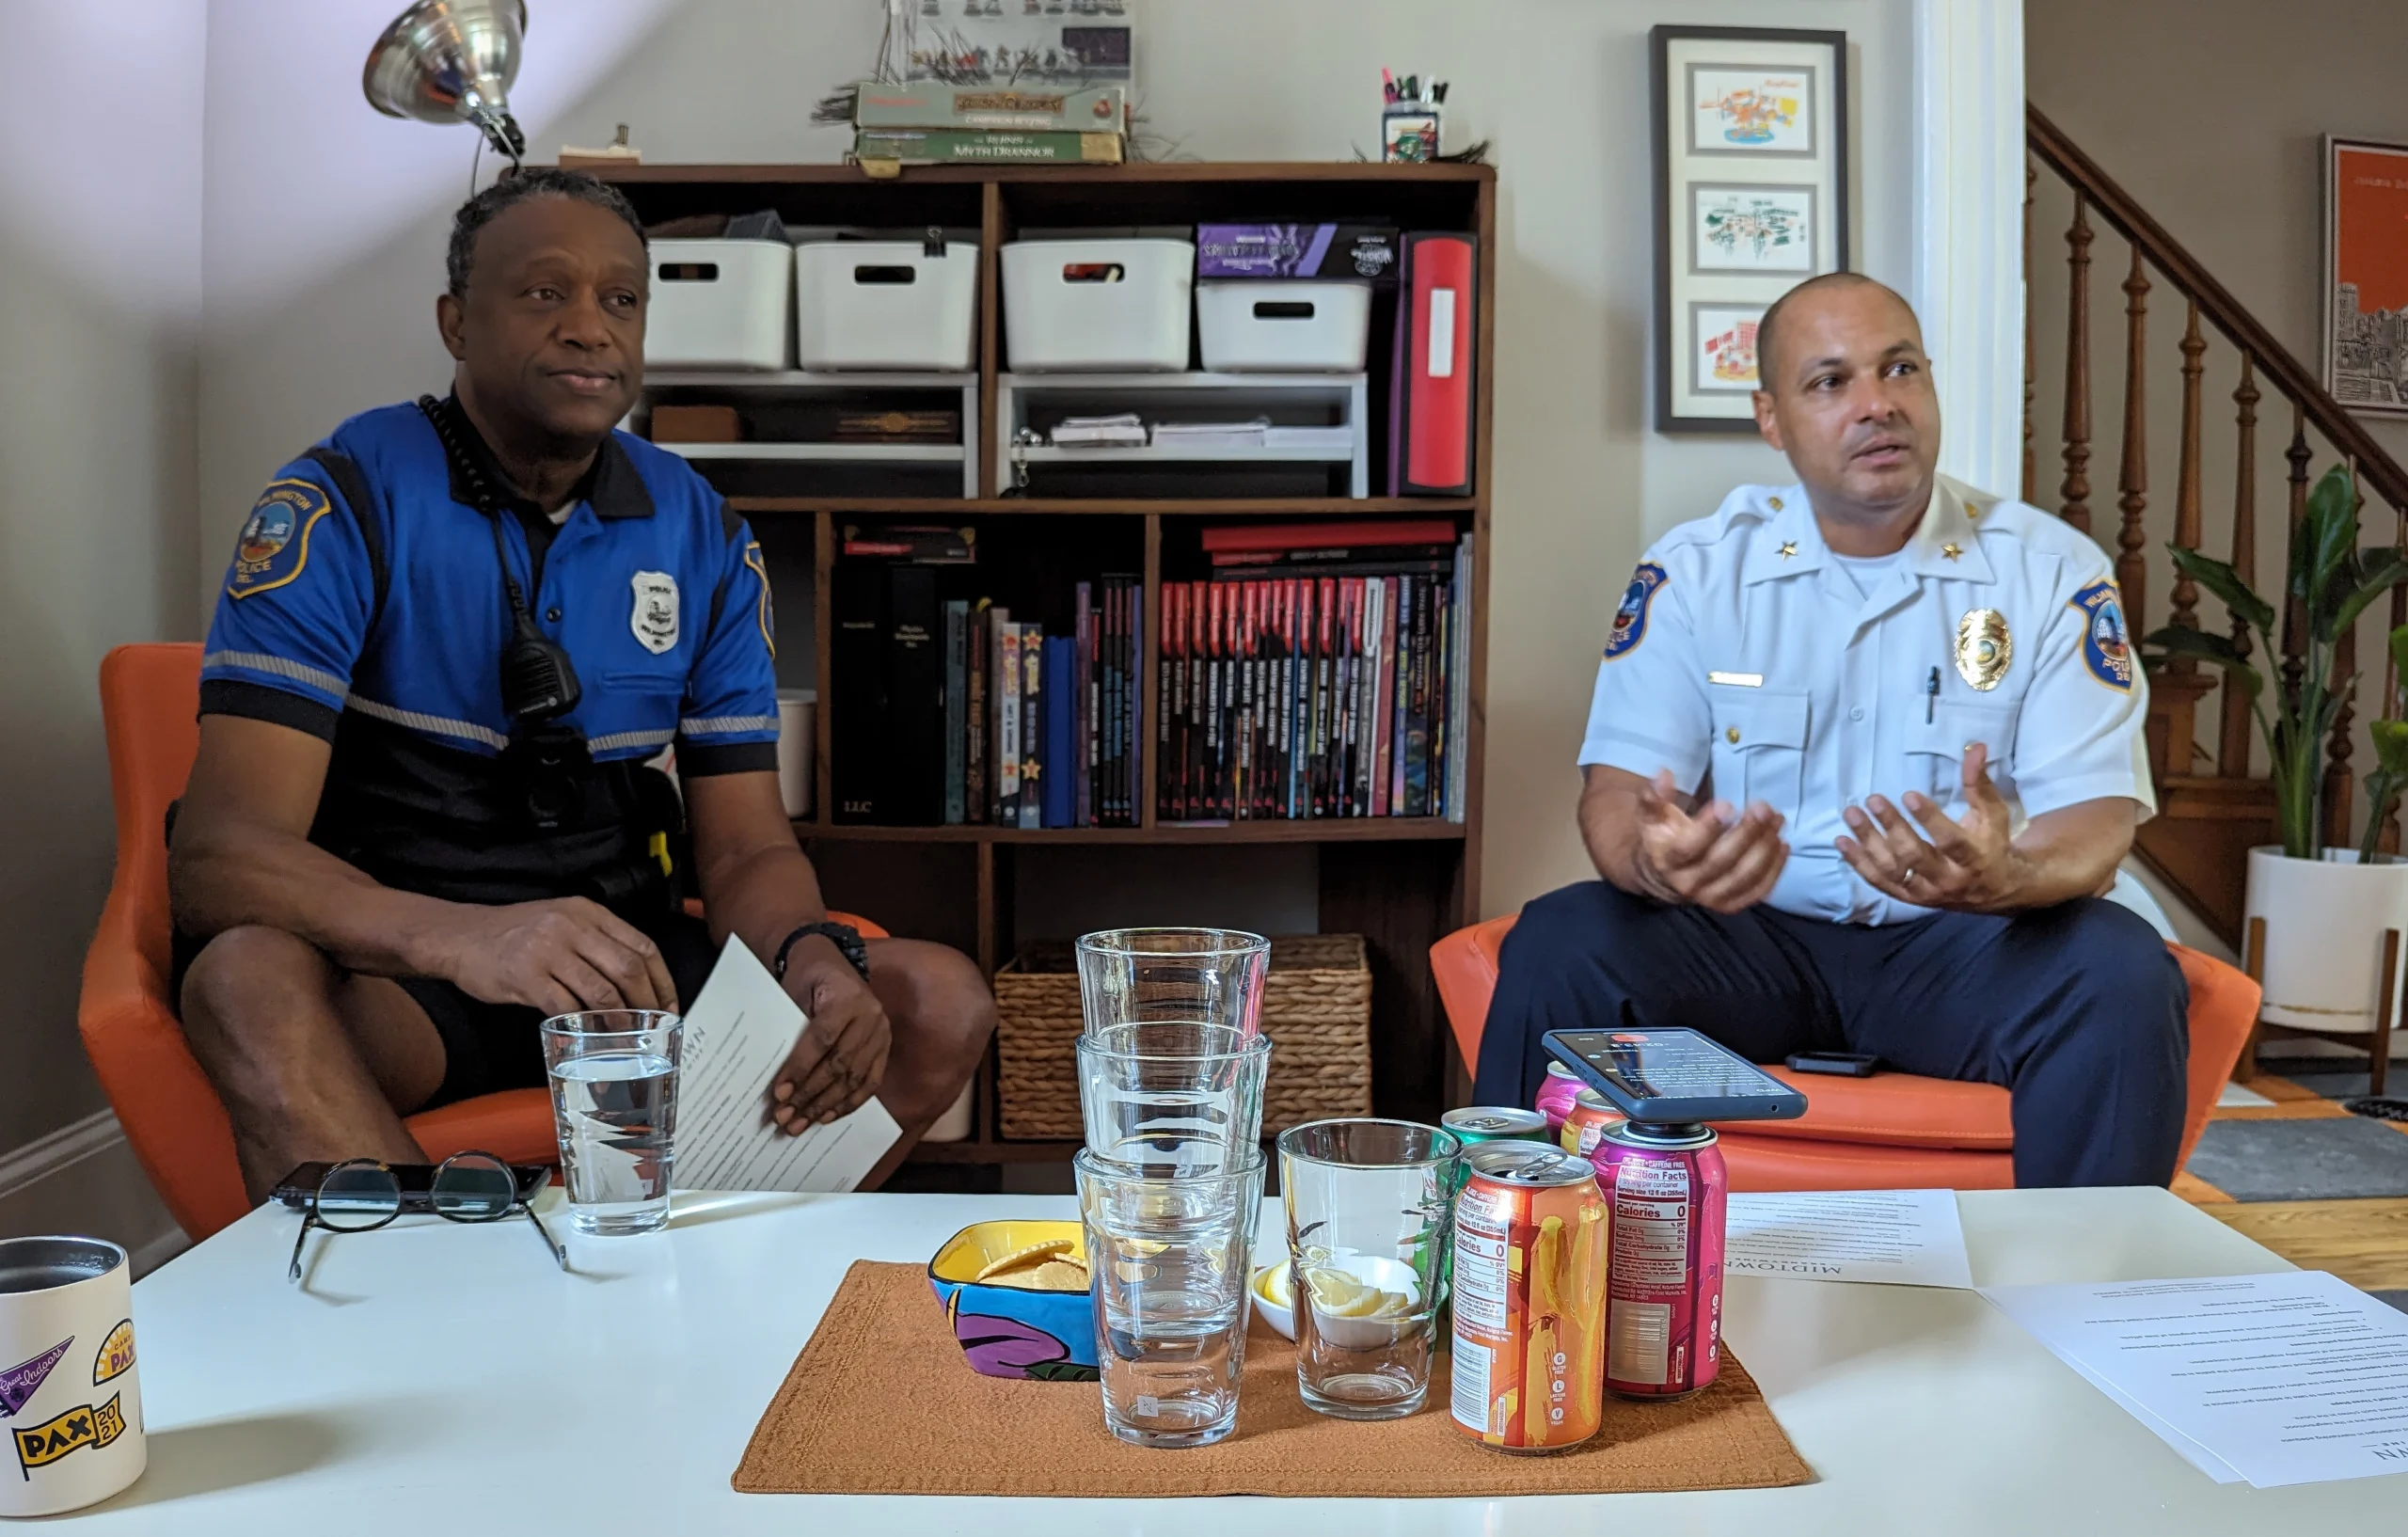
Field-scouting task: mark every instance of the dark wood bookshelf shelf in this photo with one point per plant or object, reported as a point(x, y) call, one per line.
point(1354, 829)
point(1402, 884)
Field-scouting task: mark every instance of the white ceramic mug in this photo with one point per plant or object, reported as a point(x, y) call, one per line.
point(70, 1399)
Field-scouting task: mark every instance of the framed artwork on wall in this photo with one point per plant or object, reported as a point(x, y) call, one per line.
point(1750, 139)
point(2365, 276)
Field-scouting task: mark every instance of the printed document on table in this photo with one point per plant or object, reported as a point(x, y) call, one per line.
point(1901, 1237)
point(2295, 1377)
point(738, 1035)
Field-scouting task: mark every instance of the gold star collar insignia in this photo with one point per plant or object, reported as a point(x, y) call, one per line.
point(1952, 550)
point(1789, 548)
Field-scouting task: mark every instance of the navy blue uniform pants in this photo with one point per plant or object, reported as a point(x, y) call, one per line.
point(2079, 1009)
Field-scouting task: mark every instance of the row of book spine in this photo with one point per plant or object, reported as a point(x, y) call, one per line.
point(1042, 731)
point(1316, 695)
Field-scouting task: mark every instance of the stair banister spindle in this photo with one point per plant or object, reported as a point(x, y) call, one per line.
point(2131, 477)
point(2232, 752)
point(2076, 489)
point(2186, 484)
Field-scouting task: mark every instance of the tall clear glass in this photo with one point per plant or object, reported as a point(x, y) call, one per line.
point(1172, 1099)
point(1183, 975)
point(1367, 1232)
point(1169, 1262)
point(614, 1105)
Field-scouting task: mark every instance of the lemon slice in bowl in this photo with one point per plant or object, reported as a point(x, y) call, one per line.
point(1335, 1291)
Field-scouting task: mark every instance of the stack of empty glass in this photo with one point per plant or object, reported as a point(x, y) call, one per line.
point(1171, 1070)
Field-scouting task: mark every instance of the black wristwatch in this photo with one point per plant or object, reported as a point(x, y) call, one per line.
point(844, 936)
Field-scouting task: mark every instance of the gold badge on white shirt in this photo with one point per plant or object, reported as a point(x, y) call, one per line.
point(1983, 648)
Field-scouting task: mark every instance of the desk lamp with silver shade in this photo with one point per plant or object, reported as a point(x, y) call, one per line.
point(446, 61)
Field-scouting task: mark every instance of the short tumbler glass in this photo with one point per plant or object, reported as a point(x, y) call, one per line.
point(614, 1103)
point(1189, 976)
point(1169, 1262)
point(1172, 1099)
point(1368, 1231)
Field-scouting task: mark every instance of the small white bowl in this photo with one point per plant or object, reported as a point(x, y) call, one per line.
point(1349, 1332)
point(1279, 1314)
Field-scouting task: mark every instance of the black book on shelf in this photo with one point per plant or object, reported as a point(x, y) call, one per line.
point(914, 732)
point(858, 680)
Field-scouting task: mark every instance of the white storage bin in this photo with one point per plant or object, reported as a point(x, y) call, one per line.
point(720, 304)
point(1101, 306)
point(1249, 325)
point(886, 305)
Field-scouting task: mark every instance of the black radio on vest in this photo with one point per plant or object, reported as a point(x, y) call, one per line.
point(547, 759)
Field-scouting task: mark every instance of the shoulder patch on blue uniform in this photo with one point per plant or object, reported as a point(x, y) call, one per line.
point(1630, 620)
point(274, 544)
point(760, 569)
point(2106, 649)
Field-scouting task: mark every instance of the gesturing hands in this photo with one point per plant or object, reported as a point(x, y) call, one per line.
point(841, 1060)
point(559, 956)
point(1968, 865)
point(1719, 857)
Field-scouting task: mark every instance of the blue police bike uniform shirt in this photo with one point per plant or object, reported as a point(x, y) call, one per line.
point(656, 591)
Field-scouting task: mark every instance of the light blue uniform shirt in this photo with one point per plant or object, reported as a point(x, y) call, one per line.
point(1745, 659)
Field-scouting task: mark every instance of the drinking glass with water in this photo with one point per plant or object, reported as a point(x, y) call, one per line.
point(1169, 1261)
point(614, 1100)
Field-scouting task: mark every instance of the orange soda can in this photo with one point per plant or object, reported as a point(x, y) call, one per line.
point(1530, 1298)
point(1585, 1122)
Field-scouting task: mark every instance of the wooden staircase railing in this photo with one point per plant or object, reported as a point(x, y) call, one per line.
point(2207, 820)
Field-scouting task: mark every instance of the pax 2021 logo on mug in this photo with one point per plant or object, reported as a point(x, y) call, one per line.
point(71, 1398)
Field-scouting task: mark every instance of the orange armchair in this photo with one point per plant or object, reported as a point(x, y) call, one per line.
point(149, 706)
point(1893, 1130)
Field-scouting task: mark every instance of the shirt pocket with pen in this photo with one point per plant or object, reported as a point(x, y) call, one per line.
point(1760, 747)
point(1936, 748)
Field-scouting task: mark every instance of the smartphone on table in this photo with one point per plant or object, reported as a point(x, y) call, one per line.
point(1672, 1077)
point(417, 1182)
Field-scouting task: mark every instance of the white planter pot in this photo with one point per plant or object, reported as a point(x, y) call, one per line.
point(2324, 924)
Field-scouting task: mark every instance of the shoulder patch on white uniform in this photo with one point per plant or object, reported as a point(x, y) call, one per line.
point(275, 543)
point(2106, 649)
point(1630, 620)
point(654, 616)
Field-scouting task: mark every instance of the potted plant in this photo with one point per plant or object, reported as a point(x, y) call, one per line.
point(2324, 911)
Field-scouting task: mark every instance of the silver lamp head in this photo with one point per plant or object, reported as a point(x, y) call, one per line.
point(446, 61)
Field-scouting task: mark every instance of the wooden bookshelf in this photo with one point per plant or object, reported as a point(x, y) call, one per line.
point(1400, 882)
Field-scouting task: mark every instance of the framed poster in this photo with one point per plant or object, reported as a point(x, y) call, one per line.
point(1750, 139)
point(2365, 276)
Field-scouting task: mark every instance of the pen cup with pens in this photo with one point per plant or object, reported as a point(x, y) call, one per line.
point(1410, 122)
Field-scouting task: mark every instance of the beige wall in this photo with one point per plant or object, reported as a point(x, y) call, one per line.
point(308, 324)
point(99, 297)
point(2210, 113)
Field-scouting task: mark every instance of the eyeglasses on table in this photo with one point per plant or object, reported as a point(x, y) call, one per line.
point(360, 1195)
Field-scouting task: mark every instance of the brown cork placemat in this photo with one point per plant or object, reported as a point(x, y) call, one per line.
point(880, 1401)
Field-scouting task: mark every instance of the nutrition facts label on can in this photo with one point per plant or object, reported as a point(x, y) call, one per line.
point(1480, 1279)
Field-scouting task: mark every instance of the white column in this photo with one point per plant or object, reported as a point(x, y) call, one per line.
point(1968, 278)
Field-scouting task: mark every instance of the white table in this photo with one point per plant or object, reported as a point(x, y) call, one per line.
point(447, 1380)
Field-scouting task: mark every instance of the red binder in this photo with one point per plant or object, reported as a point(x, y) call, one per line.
point(1432, 395)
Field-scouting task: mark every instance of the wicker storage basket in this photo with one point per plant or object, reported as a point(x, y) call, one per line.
point(1316, 1008)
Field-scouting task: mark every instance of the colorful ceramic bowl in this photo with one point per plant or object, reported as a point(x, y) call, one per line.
point(1009, 1329)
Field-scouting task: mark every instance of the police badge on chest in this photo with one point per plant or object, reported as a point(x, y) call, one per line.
point(654, 616)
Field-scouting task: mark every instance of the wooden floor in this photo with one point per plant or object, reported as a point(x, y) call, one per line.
point(2365, 1242)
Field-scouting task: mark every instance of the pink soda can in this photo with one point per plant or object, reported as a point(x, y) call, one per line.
point(1666, 1190)
point(1555, 1095)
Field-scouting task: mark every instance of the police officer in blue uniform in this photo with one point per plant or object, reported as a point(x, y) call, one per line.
point(1863, 755)
point(420, 821)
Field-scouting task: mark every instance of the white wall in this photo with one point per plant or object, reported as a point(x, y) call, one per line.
point(100, 299)
point(323, 249)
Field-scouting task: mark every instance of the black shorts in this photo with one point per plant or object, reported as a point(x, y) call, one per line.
point(490, 1047)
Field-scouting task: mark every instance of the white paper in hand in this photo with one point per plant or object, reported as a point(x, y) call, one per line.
point(738, 1035)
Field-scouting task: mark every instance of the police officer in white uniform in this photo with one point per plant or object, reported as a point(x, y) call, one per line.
point(1864, 753)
